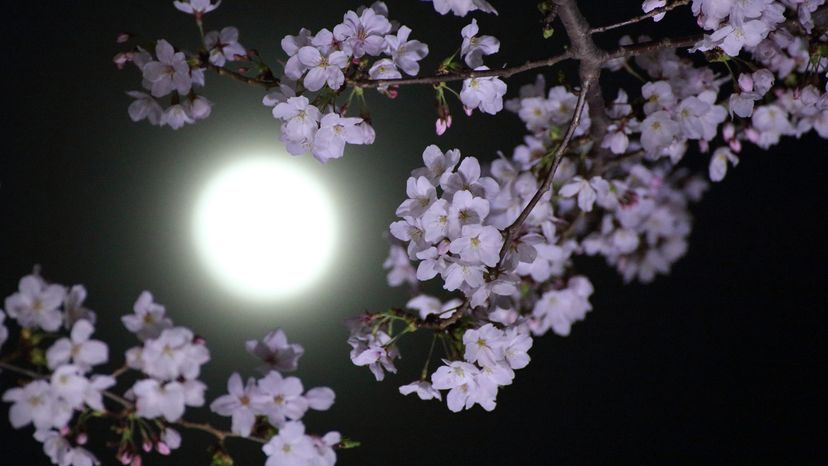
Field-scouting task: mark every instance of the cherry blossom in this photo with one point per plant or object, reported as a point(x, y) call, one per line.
point(149, 319)
point(406, 53)
point(36, 304)
point(224, 45)
point(197, 7)
point(169, 72)
point(290, 447)
point(276, 352)
point(485, 94)
point(78, 349)
point(243, 403)
point(462, 7)
point(475, 47)
point(322, 69)
point(423, 389)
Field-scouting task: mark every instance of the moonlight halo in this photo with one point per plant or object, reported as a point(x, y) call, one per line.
point(264, 228)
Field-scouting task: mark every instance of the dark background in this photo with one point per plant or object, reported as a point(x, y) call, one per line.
point(721, 362)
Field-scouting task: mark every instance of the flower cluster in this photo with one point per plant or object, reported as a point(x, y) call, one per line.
point(366, 43)
point(50, 403)
point(167, 73)
point(171, 357)
point(490, 358)
point(738, 24)
point(280, 402)
point(66, 394)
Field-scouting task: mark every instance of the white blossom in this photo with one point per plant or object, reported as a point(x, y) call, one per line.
point(475, 47)
point(149, 318)
point(35, 403)
point(224, 46)
point(197, 7)
point(282, 398)
point(423, 389)
point(155, 399)
point(169, 72)
point(243, 403)
point(405, 53)
point(334, 132)
point(485, 94)
point(276, 352)
point(323, 69)
point(462, 7)
point(718, 163)
point(79, 348)
point(363, 34)
point(36, 304)
point(290, 447)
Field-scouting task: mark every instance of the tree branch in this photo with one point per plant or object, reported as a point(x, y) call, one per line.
point(629, 51)
point(514, 228)
point(220, 435)
point(461, 75)
point(221, 71)
point(640, 18)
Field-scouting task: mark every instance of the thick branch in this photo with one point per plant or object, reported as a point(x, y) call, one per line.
point(638, 19)
point(592, 59)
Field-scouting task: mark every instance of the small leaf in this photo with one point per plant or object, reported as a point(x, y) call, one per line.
point(221, 458)
point(348, 443)
point(548, 32)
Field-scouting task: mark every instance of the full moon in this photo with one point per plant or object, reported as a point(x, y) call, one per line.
point(264, 228)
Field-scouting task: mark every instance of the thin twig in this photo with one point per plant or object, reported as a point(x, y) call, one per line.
point(461, 75)
point(640, 18)
point(514, 228)
point(220, 435)
point(266, 83)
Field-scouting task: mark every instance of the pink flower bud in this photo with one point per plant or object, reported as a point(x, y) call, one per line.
point(752, 135)
point(735, 145)
point(122, 59)
point(441, 126)
point(136, 461)
point(162, 448)
point(82, 438)
point(147, 446)
point(746, 82)
point(728, 131)
point(468, 110)
point(123, 37)
point(125, 457)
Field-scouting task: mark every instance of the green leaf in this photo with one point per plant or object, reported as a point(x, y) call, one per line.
point(348, 443)
point(221, 458)
point(548, 32)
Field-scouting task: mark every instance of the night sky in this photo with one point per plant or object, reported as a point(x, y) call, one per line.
point(720, 362)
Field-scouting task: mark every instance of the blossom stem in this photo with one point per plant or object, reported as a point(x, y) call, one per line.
point(424, 374)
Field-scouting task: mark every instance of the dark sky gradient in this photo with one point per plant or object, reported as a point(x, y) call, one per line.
point(721, 362)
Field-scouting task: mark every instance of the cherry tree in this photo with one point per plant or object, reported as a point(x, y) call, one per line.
point(600, 173)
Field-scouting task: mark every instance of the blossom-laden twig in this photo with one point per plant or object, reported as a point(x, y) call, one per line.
point(61, 392)
point(589, 178)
